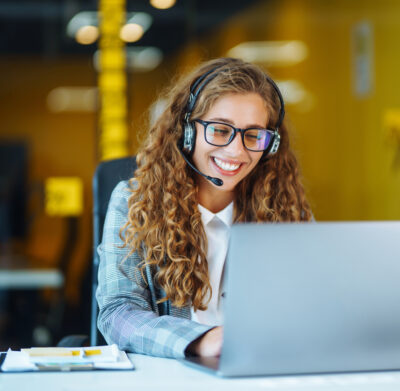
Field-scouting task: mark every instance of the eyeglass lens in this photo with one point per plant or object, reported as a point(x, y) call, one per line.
point(254, 139)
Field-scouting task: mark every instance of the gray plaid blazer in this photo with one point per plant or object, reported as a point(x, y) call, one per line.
point(129, 315)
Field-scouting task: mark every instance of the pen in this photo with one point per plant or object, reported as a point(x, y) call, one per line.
point(53, 352)
point(92, 352)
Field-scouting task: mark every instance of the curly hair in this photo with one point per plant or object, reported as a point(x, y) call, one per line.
point(164, 224)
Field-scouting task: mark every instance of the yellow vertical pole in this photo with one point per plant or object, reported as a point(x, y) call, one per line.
point(112, 81)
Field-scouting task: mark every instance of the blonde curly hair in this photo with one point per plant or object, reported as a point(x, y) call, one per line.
point(164, 224)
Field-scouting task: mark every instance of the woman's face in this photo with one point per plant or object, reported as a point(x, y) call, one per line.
point(232, 162)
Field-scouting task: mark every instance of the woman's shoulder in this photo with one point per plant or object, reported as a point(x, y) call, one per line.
point(120, 196)
point(123, 190)
point(117, 212)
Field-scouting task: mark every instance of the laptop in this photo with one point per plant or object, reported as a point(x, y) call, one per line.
point(310, 298)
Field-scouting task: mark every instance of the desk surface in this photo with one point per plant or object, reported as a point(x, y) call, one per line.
point(30, 278)
point(17, 273)
point(164, 374)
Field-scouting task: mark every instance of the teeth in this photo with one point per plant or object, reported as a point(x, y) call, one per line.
point(226, 166)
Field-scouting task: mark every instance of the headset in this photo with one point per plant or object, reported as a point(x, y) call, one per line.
point(188, 139)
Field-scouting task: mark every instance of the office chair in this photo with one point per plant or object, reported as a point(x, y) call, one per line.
point(107, 175)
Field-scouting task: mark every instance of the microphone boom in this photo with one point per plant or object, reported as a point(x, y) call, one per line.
point(215, 181)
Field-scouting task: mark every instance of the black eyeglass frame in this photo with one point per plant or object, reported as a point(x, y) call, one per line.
point(235, 130)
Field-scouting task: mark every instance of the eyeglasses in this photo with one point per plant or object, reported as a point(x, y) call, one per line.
point(221, 134)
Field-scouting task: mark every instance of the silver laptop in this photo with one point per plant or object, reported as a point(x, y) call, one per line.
point(310, 298)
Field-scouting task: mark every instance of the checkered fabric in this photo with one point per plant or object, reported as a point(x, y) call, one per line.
point(129, 315)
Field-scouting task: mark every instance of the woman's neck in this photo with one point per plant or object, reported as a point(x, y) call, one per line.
point(214, 199)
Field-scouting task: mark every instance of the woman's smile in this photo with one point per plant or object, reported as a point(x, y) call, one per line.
point(226, 167)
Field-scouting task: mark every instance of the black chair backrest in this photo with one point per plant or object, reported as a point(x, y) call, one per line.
point(108, 174)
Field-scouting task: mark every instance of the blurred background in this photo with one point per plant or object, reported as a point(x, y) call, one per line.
point(79, 81)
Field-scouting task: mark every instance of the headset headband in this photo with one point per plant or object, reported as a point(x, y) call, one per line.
point(195, 92)
point(196, 88)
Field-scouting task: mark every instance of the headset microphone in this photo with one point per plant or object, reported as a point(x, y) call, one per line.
point(215, 181)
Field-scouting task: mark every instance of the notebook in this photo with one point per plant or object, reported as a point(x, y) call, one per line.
point(65, 359)
point(310, 298)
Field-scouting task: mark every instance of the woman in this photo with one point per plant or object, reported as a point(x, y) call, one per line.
point(218, 154)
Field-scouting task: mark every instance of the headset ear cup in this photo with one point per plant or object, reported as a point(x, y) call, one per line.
point(189, 137)
point(274, 144)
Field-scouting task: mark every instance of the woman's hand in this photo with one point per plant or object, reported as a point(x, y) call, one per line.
point(208, 345)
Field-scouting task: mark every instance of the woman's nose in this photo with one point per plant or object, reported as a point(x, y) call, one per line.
point(236, 147)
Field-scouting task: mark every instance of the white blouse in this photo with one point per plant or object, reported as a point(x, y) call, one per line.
point(217, 228)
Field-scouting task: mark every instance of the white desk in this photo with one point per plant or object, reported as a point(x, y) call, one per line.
point(17, 273)
point(170, 375)
point(30, 278)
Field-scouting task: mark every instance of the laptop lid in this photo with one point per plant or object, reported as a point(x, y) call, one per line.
point(312, 298)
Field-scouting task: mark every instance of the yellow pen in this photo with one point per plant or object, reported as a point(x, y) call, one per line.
point(52, 352)
point(92, 352)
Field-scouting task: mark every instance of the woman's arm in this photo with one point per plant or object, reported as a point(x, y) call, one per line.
point(128, 316)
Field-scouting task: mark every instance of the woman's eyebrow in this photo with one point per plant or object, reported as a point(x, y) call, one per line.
point(220, 119)
point(228, 121)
